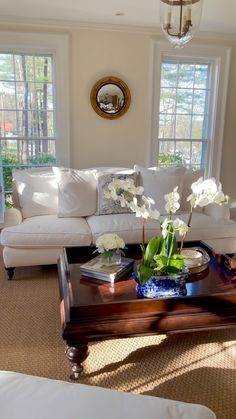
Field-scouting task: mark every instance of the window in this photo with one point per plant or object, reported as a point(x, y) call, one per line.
point(190, 88)
point(33, 102)
point(183, 118)
point(27, 131)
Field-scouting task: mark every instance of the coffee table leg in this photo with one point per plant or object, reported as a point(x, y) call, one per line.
point(77, 355)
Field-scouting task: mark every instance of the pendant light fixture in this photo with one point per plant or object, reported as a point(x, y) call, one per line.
point(180, 19)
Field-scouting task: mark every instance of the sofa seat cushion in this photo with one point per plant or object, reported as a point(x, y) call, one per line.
point(129, 227)
point(26, 397)
point(47, 231)
point(206, 227)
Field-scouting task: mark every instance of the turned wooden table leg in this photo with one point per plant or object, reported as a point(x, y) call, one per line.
point(77, 355)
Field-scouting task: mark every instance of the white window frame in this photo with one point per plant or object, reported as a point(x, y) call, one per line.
point(56, 45)
point(219, 57)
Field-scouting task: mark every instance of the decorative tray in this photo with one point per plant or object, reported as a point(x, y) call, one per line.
point(197, 259)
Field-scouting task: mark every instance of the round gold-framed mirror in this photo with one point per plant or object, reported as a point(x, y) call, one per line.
point(110, 97)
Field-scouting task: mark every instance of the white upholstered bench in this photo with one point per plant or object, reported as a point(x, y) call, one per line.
point(26, 397)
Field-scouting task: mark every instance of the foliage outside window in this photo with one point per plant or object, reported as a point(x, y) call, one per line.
point(27, 130)
point(183, 113)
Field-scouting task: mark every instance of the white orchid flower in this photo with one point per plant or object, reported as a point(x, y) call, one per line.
point(205, 192)
point(180, 226)
point(172, 201)
point(154, 214)
point(164, 228)
point(148, 200)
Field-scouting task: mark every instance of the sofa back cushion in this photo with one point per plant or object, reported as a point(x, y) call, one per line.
point(77, 192)
point(158, 183)
point(35, 191)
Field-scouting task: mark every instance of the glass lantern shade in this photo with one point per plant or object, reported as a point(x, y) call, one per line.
point(180, 19)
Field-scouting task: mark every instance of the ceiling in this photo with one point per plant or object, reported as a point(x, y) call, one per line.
point(218, 15)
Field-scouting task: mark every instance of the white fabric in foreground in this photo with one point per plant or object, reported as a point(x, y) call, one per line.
point(26, 397)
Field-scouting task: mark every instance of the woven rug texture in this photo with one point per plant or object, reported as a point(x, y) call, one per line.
point(192, 367)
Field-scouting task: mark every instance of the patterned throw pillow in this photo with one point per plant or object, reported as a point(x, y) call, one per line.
point(109, 206)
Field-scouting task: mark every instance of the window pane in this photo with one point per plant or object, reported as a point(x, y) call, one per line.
point(197, 127)
point(184, 101)
point(183, 126)
point(44, 96)
point(26, 152)
point(43, 69)
point(186, 75)
point(35, 124)
point(7, 95)
point(8, 124)
point(25, 94)
point(24, 67)
point(197, 153)
point(6, 67)
point(168, 156)
point(199, 101)
point(169, 73)
point(183, 149)
point(166, 126)
point(201, 76)
point(168, 100)
point(19, 154)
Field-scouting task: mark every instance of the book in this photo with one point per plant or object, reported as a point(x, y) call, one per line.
point(95, 269)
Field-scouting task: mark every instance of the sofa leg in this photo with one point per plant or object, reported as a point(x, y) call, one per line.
point(10, 273)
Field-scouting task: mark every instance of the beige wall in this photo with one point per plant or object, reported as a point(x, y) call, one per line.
point(96, 141)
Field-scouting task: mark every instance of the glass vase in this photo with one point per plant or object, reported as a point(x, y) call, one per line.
point(110, 257)
point(162, 286)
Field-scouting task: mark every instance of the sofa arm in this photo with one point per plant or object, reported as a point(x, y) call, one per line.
point(218, 211)
point(12, 217)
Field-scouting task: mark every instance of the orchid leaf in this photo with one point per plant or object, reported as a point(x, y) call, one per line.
point(176, 264)
point(153, 247)
point(145, 273)
point(161, 263)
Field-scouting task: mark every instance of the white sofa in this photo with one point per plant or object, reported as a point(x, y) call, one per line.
point(64, 207)
point(26, 397)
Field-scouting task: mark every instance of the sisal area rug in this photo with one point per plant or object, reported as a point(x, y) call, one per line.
point(195, 367)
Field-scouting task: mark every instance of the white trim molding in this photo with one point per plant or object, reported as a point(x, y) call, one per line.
point(58, 46)
point(219, 56)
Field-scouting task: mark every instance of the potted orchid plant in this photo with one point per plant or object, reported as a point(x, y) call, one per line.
point(161, 255)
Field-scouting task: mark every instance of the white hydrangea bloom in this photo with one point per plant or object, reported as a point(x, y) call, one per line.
point(109, 241)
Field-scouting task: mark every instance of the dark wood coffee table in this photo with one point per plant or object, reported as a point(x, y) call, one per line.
point(92, 310)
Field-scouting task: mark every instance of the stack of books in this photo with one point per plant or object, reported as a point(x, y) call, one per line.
point(95, 269)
